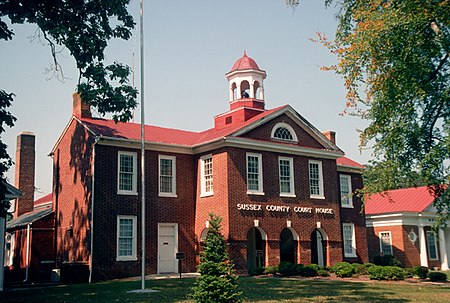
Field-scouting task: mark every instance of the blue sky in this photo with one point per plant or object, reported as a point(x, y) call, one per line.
point(189, 46)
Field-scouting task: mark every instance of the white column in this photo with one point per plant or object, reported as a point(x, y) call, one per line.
point(443, 250)
point(238, 92)
point(262, 92)
point(231, 93)
point(252, 92)
point(423, 247)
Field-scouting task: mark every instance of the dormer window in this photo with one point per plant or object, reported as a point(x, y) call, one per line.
point(283, 131)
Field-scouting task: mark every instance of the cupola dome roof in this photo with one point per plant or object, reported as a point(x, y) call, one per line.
point(244, 63)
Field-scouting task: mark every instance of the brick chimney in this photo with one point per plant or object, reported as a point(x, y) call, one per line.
point(25, 167)
point(81, 109)
point(331, 135)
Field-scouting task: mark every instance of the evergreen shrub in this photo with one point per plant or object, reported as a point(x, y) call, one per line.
point(217, 282)
point(437, 276)
point(421, 271)
point(343, 269)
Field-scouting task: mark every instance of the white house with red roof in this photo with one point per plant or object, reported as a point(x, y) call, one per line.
point(399, 223)
point(282, 187)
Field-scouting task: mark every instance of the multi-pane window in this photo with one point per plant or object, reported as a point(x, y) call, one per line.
point(167, 176)
point(315, 179)
point(432, 245)
point(286, 176)
point(348, 230)
point(126, 238)
point(346, 191)
point(127, 174)
point(254, 174)
point(206, 163)
point(283, 131)
point(385, 242)
point(9, 249)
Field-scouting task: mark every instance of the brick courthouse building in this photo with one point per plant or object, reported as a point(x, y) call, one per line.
point(279, 184)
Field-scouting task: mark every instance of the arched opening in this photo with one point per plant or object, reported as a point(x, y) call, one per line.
point(318, 247)
point(234, 91)
point(257, 90)
point(245, 89)
point(287, 246)
point(256, 249)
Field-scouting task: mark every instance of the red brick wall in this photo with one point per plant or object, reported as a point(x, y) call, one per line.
point(229, 167)
point(108, 204)
point(356, 216)
point(72, 194)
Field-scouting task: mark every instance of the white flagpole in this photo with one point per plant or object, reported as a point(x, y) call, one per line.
point(141, 13)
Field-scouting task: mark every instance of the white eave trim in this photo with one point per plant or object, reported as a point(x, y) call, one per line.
point(401, 218)
point(65, 130)
point(281, 148)
point(349, 169)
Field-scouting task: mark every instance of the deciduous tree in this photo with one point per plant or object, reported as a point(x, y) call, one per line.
point(84, 28)
point(394, 58)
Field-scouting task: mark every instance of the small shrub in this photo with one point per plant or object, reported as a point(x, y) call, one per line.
point(315, 266)
point(323, 273)
point(437, 276)
point(298, 269)
point(368, 264)
point(258, 271)
point(286, 269)
point(409, 272)
point(394, 273)
point(271, 270)
point(360, 269)
point(309, 271)
point(421, 271)
point(343, 269)
point(378, 272)
point(387, 260)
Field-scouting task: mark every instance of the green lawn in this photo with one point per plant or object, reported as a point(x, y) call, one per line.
point(267, 290)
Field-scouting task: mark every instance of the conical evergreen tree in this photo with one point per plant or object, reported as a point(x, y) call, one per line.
point(217, 282)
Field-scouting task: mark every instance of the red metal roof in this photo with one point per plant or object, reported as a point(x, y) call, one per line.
point(44, 199)
point(244, 63)
point(156, 134)
point(415, 199)
point(348, 162)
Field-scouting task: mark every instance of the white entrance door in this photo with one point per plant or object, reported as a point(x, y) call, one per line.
point(167, 247)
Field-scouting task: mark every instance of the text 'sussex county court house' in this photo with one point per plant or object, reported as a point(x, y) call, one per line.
point(281, 186)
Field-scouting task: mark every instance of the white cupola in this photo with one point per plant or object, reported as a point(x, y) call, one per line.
point(246, 82)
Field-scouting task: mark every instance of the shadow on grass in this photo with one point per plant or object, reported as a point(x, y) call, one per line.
point(264, 290)
point(293, 290)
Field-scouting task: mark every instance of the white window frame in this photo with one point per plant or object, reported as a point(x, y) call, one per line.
point(291, 193)
point(288, 127)
point(203, 188)
point(347, 198)
point(260, 190)
point(435, 245)
point(173, 160)
point(133, 256)
point(353, 239)
point(133, 191)
point(381, 241)
point(10, 240)
point(321, 193)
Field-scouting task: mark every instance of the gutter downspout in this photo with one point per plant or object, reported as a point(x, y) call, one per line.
point(27, 266)
point(92, 207)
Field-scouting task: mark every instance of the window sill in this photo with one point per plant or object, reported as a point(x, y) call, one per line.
point(258, 193)
point(318, 197)
point(347, 206)
point(350, 256)
point(120, 259)
point(288, 195)
point(167, 195)
point(204, 195)
point(127, 193)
